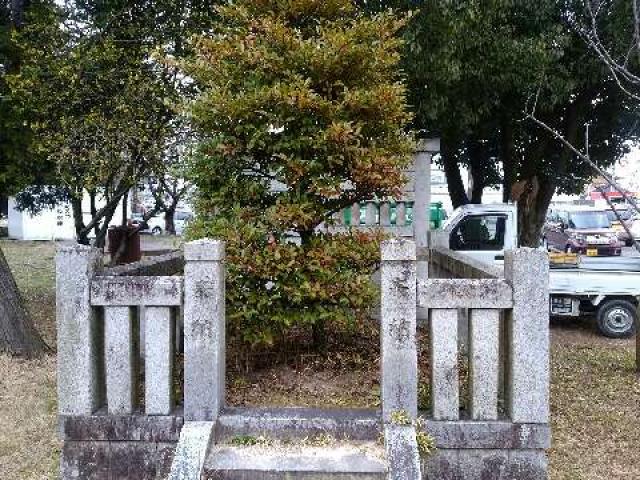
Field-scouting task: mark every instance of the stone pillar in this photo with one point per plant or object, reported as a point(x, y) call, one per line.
point(158, 354)
point(79, 382)
point(204, 329)
point(119, 360)
point(422, 197)
point(371, 214)
point(398, 328)
point(527, 270)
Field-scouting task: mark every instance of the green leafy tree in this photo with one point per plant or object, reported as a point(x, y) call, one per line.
point(474, 69)
point(106, 125)
point(304, 113)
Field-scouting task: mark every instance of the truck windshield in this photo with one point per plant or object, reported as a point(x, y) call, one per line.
point(583, 220)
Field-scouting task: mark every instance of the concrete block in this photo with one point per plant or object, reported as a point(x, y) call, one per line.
point(465, 293)
point(527, 326)
point(191, 452)
point(402, 452)
point(159, 329)
point(204, 330)
point(79, 385)
point(484, 363)
point(119, 360)
point(399, 362)
point(130, 291)
point(445, 395)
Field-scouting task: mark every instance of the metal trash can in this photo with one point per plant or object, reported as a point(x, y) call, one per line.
point(130, 235)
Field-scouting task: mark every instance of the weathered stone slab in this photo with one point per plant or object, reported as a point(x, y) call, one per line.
point(159, 330)
point(119, 360)
point(453, 264)
point(340, 461)
point(402, 452)
point(190, 454)
point(445, 394)
point(289, 424)
point(129, 428)
point(484, 363)
point(204, 330)
point(465, 293)
point(528, 336)
point(161, 265)
point(79, 385)
point(467, 434)
point(399, 361)
point(130, 291)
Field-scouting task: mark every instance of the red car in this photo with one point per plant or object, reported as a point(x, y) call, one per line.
point(585, 230)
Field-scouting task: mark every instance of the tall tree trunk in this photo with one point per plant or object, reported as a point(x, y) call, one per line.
point(531, 217)
point(455, 184)
point(18, 336)
point(82, 237)
point(507, 152)
point(477, 172)
point(169, 219)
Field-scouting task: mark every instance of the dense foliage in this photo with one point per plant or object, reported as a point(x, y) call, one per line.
point(476, 68)
point(304, 112)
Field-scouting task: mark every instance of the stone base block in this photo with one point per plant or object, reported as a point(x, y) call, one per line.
point(116, 460)
point(485, 465)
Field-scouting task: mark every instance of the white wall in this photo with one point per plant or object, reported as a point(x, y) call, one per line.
point(52, 224)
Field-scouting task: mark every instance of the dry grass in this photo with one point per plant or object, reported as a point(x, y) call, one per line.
point(595, 393)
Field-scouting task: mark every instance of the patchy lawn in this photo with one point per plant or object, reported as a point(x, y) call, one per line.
point(595, 393)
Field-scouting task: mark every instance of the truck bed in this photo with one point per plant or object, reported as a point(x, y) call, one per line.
point(598, 276)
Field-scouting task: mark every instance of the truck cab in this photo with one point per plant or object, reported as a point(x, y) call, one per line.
point(482, 232)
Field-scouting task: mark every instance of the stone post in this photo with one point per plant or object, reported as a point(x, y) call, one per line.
point(398, 328)
point(527, 270)
point(422, 197)
point(79, 382)
point(204, 329)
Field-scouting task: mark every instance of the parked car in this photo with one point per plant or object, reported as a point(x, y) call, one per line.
point(635, 228)
point(156, 225)
point(581, 229)
point(626, 215)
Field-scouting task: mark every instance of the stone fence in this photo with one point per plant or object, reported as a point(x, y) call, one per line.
point(112, 431)
point(503, 424)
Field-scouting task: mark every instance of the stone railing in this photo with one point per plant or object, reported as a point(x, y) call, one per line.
point(110, 430)
point(508, 358)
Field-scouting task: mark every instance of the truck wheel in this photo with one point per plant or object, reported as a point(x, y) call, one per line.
point(156, 231)
point(617, 319)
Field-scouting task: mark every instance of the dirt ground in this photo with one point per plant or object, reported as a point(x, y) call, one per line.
point(595, 392)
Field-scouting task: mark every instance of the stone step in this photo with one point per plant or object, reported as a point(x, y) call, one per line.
point(291, 424)
point(343, 461)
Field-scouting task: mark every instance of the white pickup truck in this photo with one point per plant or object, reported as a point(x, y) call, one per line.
point(606, 287)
